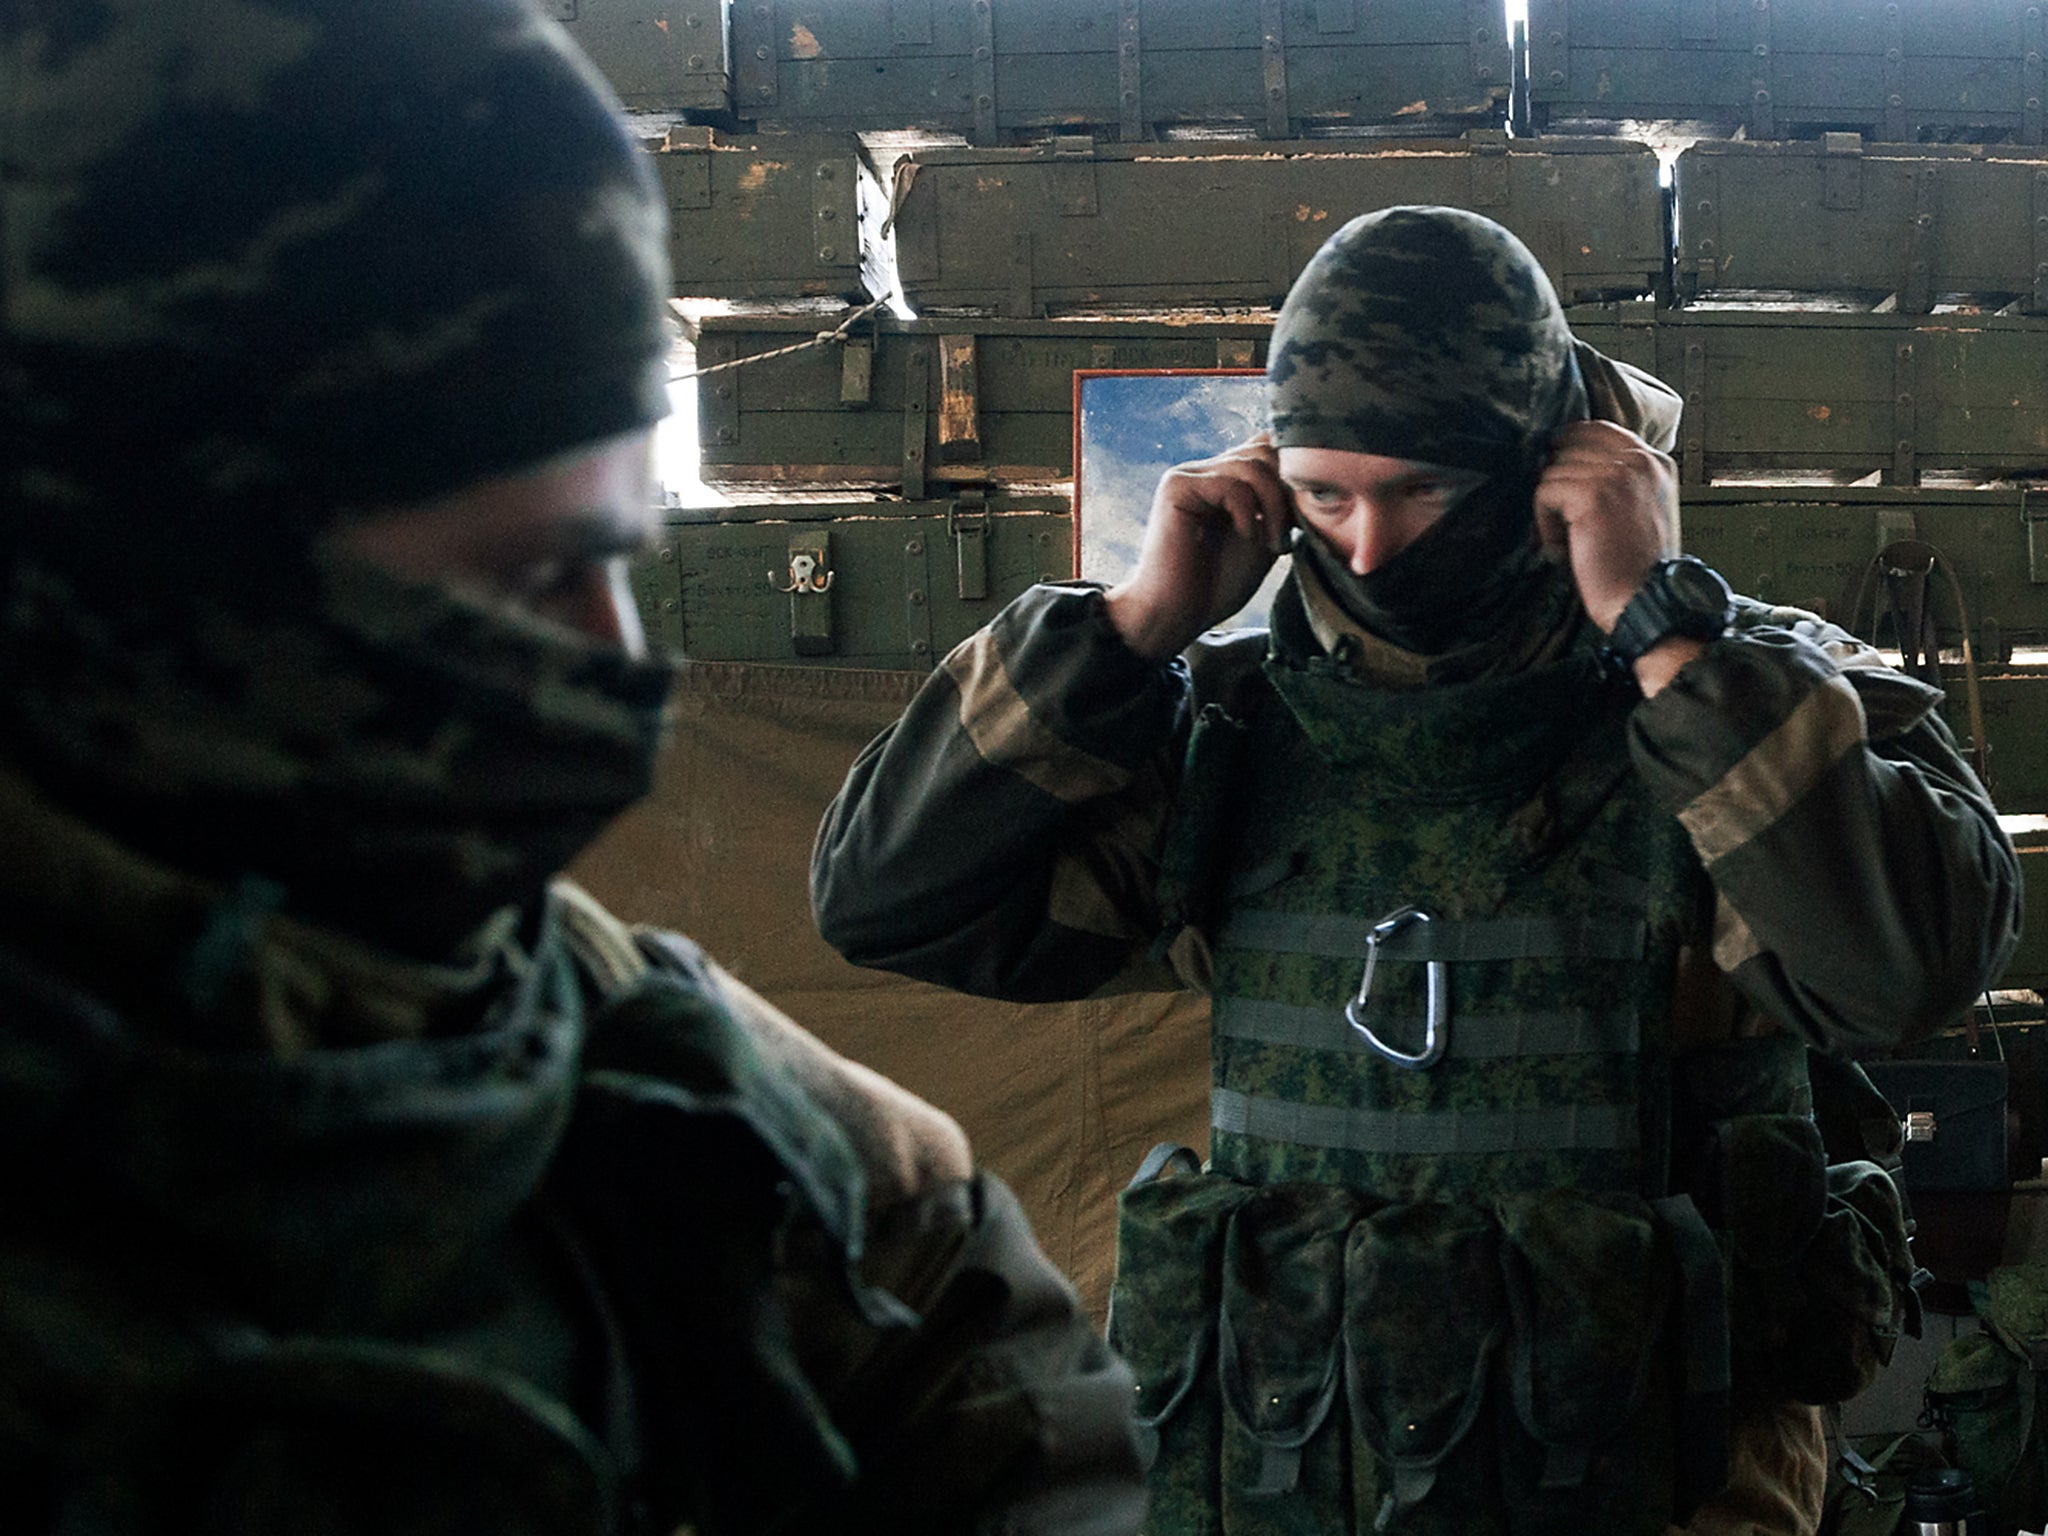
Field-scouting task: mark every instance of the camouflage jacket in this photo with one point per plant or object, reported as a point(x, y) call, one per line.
point(582, 1255)
point(1005, 837)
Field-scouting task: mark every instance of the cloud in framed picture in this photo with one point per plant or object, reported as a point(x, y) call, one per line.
point(1130, 427)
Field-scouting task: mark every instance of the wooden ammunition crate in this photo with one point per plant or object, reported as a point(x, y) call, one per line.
point(1899, 223)
point(1813, 547)
point(1003, 69)
point(660, 55)
point(909, 403)
point(1072, 226)
point(1897, 71)
point(788, 217)
point(860, 584)
point(1844, 394)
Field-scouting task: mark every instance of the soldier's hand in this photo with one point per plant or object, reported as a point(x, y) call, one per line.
point(1608, 506)
point(1217, 525)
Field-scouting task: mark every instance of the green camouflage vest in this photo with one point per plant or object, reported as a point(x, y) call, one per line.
point(1457, 1293)
point(1550, 899)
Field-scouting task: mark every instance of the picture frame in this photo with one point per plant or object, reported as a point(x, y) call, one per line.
point(1131, 425)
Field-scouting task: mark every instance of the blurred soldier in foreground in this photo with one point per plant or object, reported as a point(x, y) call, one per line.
point(1525, 866)
point(357, 1178)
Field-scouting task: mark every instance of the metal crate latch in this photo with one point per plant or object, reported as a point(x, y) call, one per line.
point(2034, 513)
point(808, 583)
point(967, 523)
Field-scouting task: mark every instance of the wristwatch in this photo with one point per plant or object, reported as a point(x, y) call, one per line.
point(1681, 596)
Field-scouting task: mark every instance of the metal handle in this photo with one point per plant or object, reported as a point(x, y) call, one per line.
point(1436, 1034)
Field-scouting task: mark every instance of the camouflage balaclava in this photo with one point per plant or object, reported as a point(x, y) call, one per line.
point(1431, 334)
point(264, 263)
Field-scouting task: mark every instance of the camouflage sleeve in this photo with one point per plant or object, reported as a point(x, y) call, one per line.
point(1001, 838)
point(1864, 891)
point(999, 1410)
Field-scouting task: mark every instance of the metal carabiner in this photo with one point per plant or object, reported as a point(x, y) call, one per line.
point(1436, 1035)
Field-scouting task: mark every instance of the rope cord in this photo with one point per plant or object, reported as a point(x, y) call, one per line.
point(822, 339)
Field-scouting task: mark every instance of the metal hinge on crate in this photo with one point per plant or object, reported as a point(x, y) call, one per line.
point(967, 522)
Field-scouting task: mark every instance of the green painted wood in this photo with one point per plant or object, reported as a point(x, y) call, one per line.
point(1850, 394)
point(1118, 64)
point(1878, 219)
point(659, 55)
point(1067, 226)
point(1812, 548)
point(760, 219)
point(1901, 71)
point(908, 580)
point(783, 420)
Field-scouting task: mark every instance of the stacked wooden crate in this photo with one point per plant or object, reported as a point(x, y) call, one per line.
point(1846, 276)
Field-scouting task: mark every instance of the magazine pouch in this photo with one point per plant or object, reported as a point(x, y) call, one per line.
point(1162, 1319)
point(1592, 1291)
point(1425, 1315)
point(1279, 1348)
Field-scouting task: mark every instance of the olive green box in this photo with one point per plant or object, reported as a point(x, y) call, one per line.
point(1073, 226)
point(1900, 225)
point(1819, 393)
point(1901, 71)
point(766, 219)
point(907, 404)
point(1003, 69)
point(659, 55)
point(857, 584)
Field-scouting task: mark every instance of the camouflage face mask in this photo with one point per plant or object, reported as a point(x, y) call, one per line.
point(398, 762)
point(1431, 334)
point(266, 261)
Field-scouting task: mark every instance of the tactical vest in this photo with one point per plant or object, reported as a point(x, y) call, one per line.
point(1437, 1278)
point(1543, 900)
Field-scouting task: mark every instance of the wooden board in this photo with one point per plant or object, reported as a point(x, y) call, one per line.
point(1070, 226)
point(1898, 71)
point(1903, 224)
point(659, 55)
point(889, 584)
point(793, 217)
point(1004, 390)
point(1849, 394)
point(1003, 69)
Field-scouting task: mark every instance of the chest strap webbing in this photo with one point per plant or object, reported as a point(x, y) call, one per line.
point(1574, 936)
point(1613, 1031)
point(1426, 1133)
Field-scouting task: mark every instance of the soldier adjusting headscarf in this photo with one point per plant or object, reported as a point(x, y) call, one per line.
point(260, 269)
point(1430, 334)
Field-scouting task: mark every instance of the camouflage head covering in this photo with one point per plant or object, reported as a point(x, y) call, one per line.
point(1423, 333)
point(1431, 334)
point(264, 259)
point(264, 263)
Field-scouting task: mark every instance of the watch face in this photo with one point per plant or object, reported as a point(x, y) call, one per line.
point(1696, 589)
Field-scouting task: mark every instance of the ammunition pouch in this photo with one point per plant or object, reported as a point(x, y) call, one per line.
point(1820, 1271)
point(1529, 1367)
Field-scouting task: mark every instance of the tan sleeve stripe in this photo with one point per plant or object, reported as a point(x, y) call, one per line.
point(1734, 943)
point(1777, 771)
point(1000, 724)
point(1079, 900)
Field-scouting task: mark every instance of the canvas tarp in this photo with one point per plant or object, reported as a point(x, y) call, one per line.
point(1061, 1100)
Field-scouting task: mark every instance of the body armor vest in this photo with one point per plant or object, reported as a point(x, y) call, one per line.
point(1488, 852)
point(1451, 1268)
